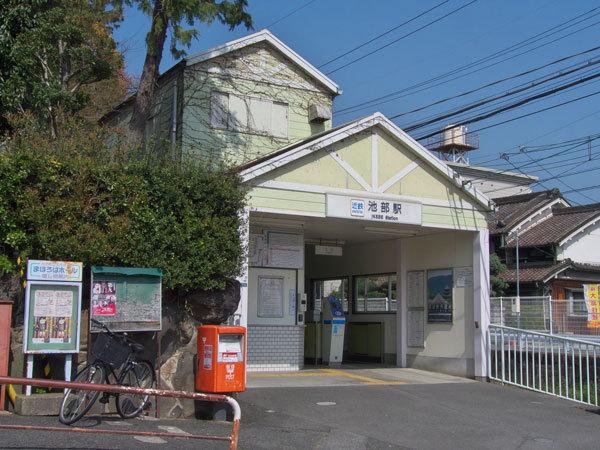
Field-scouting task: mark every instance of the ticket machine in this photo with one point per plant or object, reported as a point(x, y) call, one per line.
point(334, 324)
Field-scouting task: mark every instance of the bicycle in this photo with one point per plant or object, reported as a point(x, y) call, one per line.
point(114, 355)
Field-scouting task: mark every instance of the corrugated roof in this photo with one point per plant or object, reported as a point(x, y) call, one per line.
point(562, 223)
point(513, 209)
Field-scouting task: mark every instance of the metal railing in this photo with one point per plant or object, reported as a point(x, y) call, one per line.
point(563, 317)
point(113, 389)
point(552, 364)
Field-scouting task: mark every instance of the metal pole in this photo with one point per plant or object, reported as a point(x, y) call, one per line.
point(518, 300)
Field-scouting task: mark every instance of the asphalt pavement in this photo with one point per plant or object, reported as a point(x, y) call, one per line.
point(360, 416)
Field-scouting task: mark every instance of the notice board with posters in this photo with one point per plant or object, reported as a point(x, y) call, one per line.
point(52, 314)
point(126, 298)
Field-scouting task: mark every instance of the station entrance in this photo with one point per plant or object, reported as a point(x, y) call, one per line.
point(364, 216)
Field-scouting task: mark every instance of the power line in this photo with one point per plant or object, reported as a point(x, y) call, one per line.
point(504, 102)
point(402, 37)
point(523, 102)
point(493, 83)
point(512, 92)
point(425, 84)
point(352, 50)
point(290, 13)
point(554, 130)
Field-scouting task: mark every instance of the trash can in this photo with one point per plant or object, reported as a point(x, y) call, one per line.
point(221, 359)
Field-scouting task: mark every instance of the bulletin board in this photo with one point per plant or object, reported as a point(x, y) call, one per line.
point(52, 315)
point(126, 298)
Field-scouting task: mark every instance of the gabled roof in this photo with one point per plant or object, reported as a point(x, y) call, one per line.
point(487, 173)
point(565, 222)
point(266, 36)
point(546, 272)
point(513, 209)
point(265, 164)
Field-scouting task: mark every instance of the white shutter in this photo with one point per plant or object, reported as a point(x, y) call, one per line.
point(260, 115)
point(219, 110)
point(279, 120)
point(238, 113)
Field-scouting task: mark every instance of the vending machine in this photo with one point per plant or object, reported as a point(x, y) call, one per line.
point(334, 325)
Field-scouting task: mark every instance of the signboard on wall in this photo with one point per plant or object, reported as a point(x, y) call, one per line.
point(387, 210)
point(278, 249)
point(52, 312)
point(439, 296)
point(592, 302)
point(54, 271)
point(416, 328)
point(416, 288)
point(126, 298)
point(270, 297)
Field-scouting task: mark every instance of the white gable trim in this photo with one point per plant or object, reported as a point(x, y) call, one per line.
point(266, 36)
point(593, 221)
point(298, 151)
point(350, 171)
point(530, 220)
point(401, 174)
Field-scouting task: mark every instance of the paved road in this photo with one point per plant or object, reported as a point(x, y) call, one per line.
point(362, 416)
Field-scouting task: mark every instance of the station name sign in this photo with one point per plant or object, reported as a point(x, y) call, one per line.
point(374, 209)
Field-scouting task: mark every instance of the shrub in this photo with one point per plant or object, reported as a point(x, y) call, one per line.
point(75, 199)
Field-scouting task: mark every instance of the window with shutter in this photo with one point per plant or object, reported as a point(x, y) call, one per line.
point(238, 113)
point(219, 110)
point(279, 120)
point(260, 115)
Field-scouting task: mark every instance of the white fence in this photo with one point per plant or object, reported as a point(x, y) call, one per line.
point(552, 364)
point(566, 317)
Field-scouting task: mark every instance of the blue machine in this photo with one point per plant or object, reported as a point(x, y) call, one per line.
point(334, 325)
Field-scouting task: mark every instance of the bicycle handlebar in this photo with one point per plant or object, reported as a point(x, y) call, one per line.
point(111, 333)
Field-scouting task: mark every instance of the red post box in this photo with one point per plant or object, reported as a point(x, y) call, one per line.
point(221, 359)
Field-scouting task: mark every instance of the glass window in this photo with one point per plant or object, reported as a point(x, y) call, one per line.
point(577, 306)
point(375, 293)
point(337, 287)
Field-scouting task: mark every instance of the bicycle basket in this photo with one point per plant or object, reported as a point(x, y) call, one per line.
point(110, 350)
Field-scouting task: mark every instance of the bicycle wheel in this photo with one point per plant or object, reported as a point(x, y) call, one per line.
point(75, 402)
point(140, 374)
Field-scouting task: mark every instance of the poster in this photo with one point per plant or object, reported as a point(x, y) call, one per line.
point(416, 328)
point(52, 310)
point(104, 298)
point(52, 316)
point(416, 288)
point(270, 297)
point(439, 296)
point(463, 276)
point(257, 250)
point(592, 303)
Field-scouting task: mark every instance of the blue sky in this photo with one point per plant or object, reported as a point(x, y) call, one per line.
point(324, 29)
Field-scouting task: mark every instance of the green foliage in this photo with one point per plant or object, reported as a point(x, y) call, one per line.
point(69, 199)
point(499, 286)
point(50, 50)
point(177, 14)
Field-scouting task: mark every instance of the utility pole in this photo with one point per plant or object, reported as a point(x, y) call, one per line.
point(518, 299)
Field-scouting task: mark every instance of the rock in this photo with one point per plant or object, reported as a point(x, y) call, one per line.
point(214, 307)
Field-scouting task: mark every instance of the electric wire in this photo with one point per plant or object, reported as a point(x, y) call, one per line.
point(378, 49)
point(499, 53)
point(406, 22)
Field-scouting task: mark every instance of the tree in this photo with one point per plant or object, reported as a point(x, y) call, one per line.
point(169, 15)
point(50, 52)
point(499, 286)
